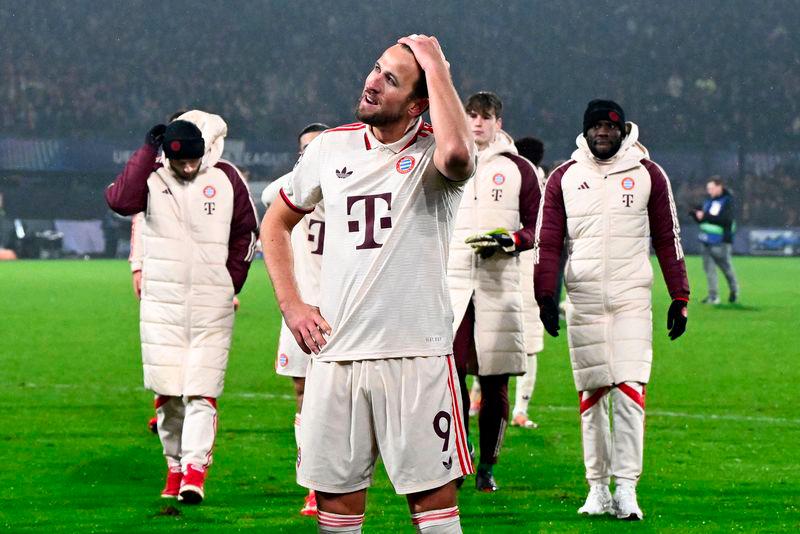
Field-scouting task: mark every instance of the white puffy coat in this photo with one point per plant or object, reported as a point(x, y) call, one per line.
point(490, 200)
point(198, 238)
point(609, 213)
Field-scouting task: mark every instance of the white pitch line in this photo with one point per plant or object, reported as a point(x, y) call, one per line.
point(547, 408)
point(702, 417)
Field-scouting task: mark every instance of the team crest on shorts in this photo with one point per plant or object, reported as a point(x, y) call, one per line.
point(283, 360)
point(209, 191)
point(499, 179)
point(405, 164)
point(628, 183)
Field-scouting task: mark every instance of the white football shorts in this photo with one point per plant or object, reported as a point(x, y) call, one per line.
point(290, 360)
point(407, 411)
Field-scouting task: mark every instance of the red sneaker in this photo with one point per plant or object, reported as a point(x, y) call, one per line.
point(152, 424)
point(192, 484)
point(173, 486)
point(310, 505)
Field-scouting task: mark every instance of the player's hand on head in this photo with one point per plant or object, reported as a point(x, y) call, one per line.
point(677, 316)
point(427, 51)
point(308, 327)
point(155, 136)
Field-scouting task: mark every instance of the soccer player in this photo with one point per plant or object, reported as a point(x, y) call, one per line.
point(382, 378)
point(199, 237)
point(495, 222)
point(308, 243)
point(611, 200)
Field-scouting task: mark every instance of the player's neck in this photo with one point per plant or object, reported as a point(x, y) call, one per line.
point(390, 133)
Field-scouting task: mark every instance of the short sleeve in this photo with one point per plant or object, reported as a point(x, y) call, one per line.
point(271, 192)
point(302, 190)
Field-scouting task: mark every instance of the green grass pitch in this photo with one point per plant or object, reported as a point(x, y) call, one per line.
point(722, 436)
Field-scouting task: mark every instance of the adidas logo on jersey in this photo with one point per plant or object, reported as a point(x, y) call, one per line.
point(344, 173)
point(584, 185)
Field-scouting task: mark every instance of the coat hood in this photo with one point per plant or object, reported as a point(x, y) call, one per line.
point(502, 144)
point(629, 154)
point(214, 130)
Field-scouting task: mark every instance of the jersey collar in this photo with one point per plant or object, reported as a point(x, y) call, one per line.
point(408, 139)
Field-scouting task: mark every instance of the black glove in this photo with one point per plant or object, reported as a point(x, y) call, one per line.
point(548, 313)
point(155, 136)
point(676, 318)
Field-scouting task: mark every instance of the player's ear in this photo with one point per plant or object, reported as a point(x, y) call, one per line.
point(418, 107)
point(500, 123)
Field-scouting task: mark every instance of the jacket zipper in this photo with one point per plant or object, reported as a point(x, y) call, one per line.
point(190, 253)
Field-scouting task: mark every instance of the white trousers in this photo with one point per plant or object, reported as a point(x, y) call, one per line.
point(187, 428)
point(613, 450)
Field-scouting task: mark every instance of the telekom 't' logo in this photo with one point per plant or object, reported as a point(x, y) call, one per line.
point(370, 202)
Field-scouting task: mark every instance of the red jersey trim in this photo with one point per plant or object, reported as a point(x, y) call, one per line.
point(292, 206)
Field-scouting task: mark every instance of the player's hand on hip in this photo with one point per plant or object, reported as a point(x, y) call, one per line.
point(427, 51)
point(137, 284)
point(677, 316)
point(308, 327)
point(548, 313)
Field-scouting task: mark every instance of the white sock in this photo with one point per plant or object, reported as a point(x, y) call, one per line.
point(444, 521)
point(339, 524)
point(525, 385)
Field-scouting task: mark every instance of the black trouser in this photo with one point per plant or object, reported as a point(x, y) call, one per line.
point(493, 415)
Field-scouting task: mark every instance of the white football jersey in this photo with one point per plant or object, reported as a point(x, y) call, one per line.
point(308, 242)
point(389, 216)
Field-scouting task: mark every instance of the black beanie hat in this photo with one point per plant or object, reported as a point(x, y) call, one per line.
point(183, 140)
point(603, 110)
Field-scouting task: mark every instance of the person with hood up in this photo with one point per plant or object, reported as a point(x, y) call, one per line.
point(198, 236)
point(495, 222)
point(610, 200)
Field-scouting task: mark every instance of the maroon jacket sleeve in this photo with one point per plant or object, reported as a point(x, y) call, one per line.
point(244, 228)
point(127, 195)
point(665, 232)
point(529, 198)
point(551, 228)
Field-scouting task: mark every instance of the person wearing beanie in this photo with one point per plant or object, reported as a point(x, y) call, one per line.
point(198, 238)
point(612, 202)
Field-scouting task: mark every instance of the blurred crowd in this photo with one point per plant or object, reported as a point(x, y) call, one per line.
point(713, 74)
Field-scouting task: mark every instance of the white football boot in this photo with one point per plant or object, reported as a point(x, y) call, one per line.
point(598, 502)
point(625, 505)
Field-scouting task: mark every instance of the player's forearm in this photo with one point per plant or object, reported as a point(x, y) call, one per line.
point(279, 260)
point(127, 195)
point(454, 143)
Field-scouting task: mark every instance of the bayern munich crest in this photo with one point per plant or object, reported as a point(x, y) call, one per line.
point(283, 360)
point(628, 183)
point(499, 179)
point(209, 191)
point(405, 164)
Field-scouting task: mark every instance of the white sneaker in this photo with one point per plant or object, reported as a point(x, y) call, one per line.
point(625, 505)
point(598, 502)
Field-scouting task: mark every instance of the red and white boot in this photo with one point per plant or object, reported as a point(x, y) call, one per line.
point(173, 486)
point(310, 505)
point(194, 478)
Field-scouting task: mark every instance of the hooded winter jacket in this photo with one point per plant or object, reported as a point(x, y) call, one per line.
point(609, 211)
point(504, 194)
point(198, 239)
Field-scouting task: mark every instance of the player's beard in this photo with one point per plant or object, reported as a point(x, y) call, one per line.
point(378, 118)
point(606, 154)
